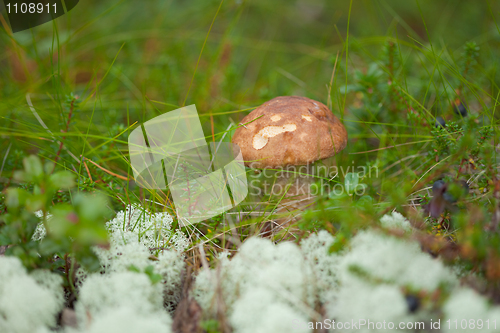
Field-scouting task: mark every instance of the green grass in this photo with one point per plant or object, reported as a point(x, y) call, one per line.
point(113, 65)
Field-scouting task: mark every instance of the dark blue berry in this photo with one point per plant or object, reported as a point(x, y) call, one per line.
point(438, 186)
point(460, 109)
point(413, 303)
point(440, 122)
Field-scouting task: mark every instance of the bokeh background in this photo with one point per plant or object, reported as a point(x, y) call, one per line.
point(256, 50)
point(96, 73)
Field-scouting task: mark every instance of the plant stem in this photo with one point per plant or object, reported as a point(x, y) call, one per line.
point(72, 106)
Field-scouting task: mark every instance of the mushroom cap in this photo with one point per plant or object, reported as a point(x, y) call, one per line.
point(291, 130)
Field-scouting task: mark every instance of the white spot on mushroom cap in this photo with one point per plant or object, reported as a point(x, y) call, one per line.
point(276, 117)
point(308, 118)
point(261, 139)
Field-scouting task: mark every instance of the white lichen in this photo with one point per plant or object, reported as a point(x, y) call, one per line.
point(51, 282)
point(263, 288)
point(376, 303)
point(121, 297)
point(395, 221)
point(134, 255)
point(280, 269)
point(153, 230)
point(323, 264)
point(466, 310)
point(102, 293)
point(125, 319)
point(40, 231)
point(277, 288)
point(393, 260)
point(134, 237)
point(257, 310)
point(261, 279)
point(27, 303)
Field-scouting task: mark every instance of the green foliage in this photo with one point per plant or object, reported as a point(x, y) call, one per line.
point(210, 326)
point(149, 271)
point(340, 209)
point(414, 152)
point(71, 229)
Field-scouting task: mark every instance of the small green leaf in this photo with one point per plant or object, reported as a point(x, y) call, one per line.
point(4, 238)
point(49, 167)
point(58, 225)
point(20, 176)
point(365, 200)
point(48, 247)
point(16, 197)
point(35, 202)
point(63, 179)
point(336, 195)
point(154, 277)
point(32, 167)
point(211, 326)
point(349, 88)
point(350, 182)
point(134, 269)
point(360, 189)
point(339, 243)
point(92, 208)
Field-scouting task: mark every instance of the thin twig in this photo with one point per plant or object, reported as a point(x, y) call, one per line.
point(65, 131)
point(5, 158)
point(105, 170)
point(88, 172)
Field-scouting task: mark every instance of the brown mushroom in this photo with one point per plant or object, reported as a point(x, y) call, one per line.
point(289, 130)
point(286, 132)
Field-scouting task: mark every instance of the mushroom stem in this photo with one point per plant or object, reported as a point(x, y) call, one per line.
point(292, 190)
